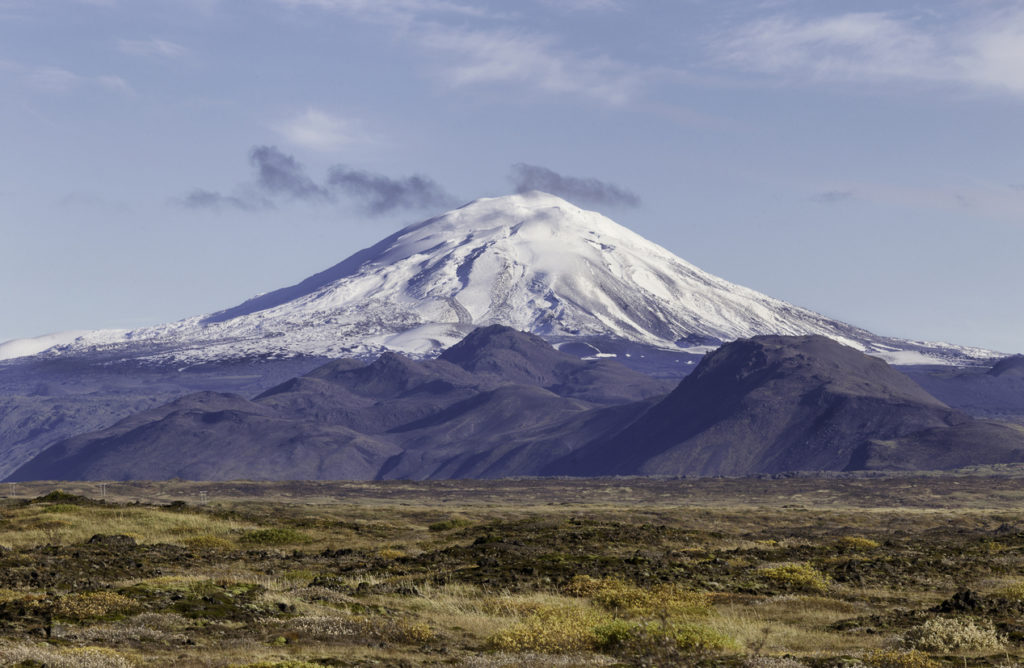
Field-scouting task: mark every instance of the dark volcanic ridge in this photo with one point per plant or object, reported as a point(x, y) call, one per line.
point(996, 393)
point(505, 403)
point(1012, 366)
point(767, 405)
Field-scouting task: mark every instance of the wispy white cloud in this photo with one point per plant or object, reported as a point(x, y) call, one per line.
point(584, 5)
point(504, 56)
point(473, 52)
point(59, 80)
point(984, 199)
point(993, 55)
point(984, 50)
point(151, 47)
point(317, 130)
point(369, 8)
point(860, 45)
point(110, 82)
point(53, 79)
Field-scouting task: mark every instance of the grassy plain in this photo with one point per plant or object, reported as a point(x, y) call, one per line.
point(904, 571)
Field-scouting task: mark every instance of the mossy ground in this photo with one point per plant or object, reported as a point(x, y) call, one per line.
point(897, 571)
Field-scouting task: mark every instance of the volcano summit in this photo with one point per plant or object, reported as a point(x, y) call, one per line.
point(531, 261)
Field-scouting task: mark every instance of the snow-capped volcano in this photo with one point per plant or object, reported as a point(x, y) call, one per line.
point(531, 261)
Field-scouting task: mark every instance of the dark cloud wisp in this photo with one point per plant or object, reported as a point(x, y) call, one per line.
point(588, 191)
point(279, 175)
point(208, 199)
point(833, 196)
point(382, 194)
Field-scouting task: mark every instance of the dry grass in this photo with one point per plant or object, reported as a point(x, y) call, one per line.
point(760, 631)
point(41, 654)
point(759, 573)
point(39, 525)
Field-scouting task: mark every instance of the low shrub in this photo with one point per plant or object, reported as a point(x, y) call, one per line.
point(894, 658)
point(209, 542)
point(556, 630)
point(632, 637)
point(948, 634)
point(856, 543)
point(559, 630)
point(696, 636)
point(92, 605)
point(800, 577)
point(616, 633)
point(619, 596)
point(390, 553)
point(449, 524)
point(1014, 592)
point(416, 632)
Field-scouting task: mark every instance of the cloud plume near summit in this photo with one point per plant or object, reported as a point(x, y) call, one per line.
point(382, 194)
point(280, 176)
point(586, 191)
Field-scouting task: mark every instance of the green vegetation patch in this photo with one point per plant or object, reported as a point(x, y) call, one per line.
point(209, 542)
point(857, 543)
point(619, 596)
point(797, 577)
point(61, 508)
point(451, 523)
point(200, 599)
point(639, 638)
point(554, 630)
point(275, 536)
point(62, 497)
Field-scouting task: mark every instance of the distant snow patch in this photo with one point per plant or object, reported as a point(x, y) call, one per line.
point(909, 358)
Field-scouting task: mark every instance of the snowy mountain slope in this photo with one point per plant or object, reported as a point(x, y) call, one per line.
point(532, 261)
point(25, 347)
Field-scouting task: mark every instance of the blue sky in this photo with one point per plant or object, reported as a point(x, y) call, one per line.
point(165, 159)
